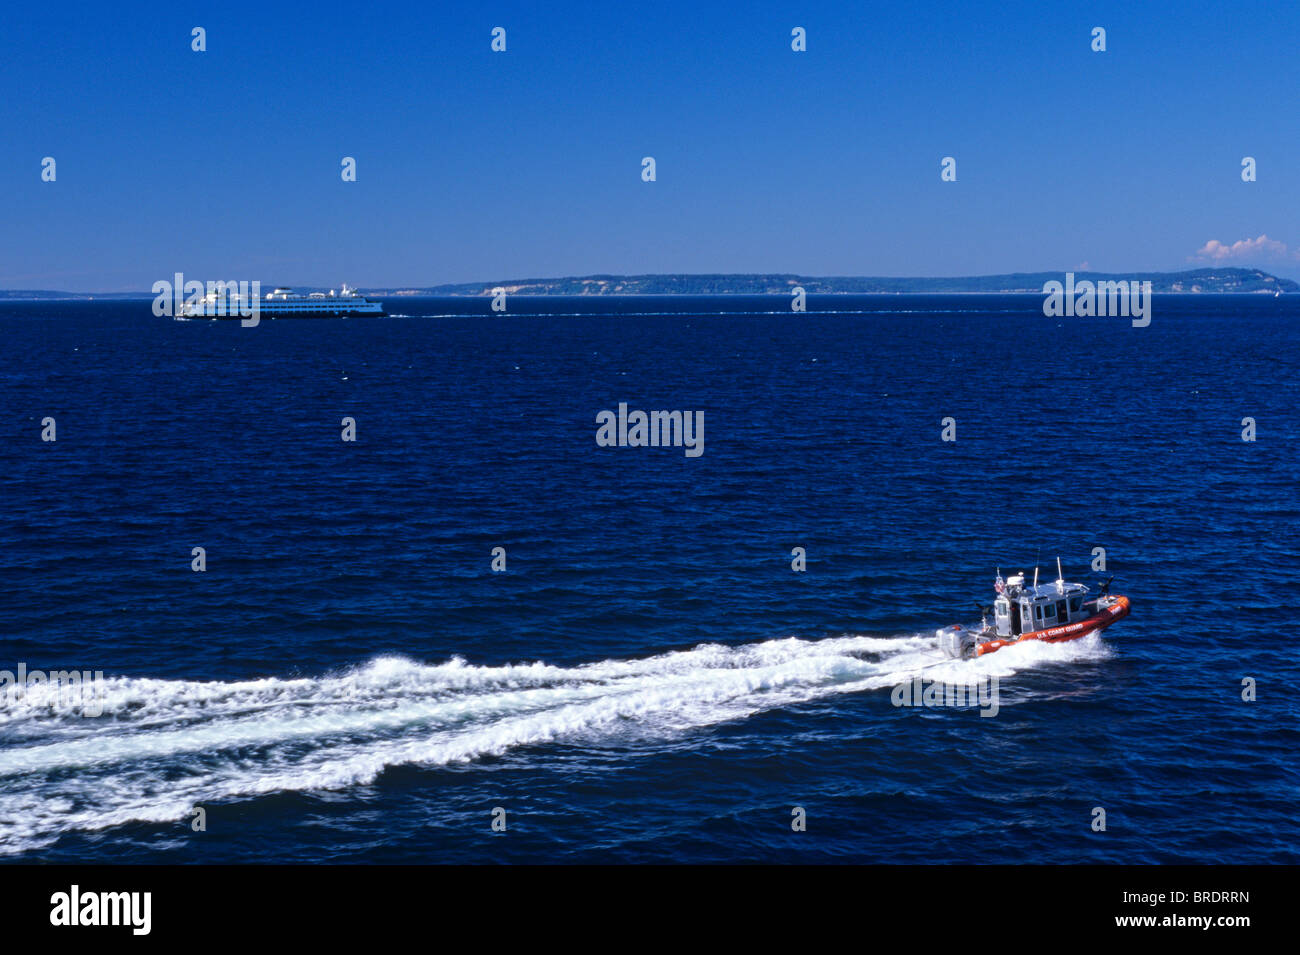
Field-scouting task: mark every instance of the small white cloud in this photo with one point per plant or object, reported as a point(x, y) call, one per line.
point(1258, 248)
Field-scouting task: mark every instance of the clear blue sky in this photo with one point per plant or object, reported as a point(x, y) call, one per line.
point(474, 165)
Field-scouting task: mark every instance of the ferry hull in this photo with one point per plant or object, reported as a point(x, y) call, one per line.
point(1071, 631)
point(266, 313)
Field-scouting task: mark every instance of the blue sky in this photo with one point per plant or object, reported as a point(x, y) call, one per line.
point(474, 165)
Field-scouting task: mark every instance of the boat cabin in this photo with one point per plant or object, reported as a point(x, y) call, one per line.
point(1021, 609)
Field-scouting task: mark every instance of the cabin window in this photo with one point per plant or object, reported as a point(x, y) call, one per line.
point(1050, 610)
point(1038, 612)
point(1075, 604)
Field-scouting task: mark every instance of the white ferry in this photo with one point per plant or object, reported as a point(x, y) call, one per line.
point(1049, 612)
point(284, 303)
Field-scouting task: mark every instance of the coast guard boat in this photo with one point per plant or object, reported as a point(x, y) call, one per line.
point(1049, 612)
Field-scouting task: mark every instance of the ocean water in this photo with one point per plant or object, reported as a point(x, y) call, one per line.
point(648, 680)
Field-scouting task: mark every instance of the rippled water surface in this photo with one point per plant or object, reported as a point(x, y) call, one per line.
point(648, 680)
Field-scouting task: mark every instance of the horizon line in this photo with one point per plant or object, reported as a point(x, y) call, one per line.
point(791, 277)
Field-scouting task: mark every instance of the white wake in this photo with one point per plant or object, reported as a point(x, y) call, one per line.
point(162, 747)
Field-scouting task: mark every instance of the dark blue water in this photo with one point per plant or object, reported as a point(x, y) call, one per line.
point(648, 680)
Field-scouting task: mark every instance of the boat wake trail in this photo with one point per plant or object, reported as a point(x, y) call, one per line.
point(161, 747)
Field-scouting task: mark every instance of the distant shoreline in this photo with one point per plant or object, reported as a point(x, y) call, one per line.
point(381, 294)
point(1205, 281)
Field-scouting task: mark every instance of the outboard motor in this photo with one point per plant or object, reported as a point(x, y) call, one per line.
point(956, 641)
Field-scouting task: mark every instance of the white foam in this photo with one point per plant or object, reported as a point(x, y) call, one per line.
point(162, 747)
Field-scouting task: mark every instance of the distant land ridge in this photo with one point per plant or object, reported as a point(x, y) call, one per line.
point(1206, 280)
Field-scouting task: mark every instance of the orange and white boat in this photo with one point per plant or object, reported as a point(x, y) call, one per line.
point(1051, 613)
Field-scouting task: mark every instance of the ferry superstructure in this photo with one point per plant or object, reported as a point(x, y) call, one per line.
point(285, 303)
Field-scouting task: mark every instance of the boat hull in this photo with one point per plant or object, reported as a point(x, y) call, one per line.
point(265, 312)
point(1114, 612)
